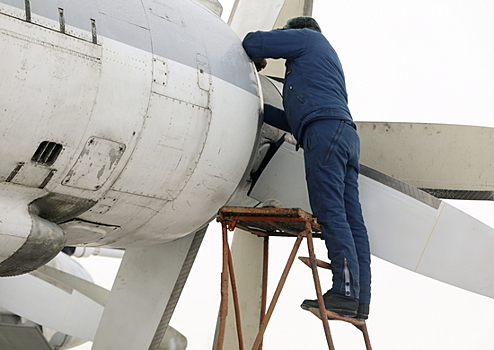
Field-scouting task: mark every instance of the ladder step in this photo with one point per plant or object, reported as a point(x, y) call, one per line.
point(334, 316)
point(319, 263)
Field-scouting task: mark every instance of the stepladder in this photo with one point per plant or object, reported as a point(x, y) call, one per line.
point(267, 222)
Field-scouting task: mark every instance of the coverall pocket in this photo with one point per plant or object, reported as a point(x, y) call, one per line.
point(296, 95)
point(334, 143)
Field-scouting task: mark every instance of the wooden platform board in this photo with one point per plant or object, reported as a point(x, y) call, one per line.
point(270, 221)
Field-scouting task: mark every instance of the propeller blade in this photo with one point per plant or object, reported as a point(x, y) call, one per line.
point(407, 226)
point(55, 299)
point(64, 302)
point(145, 293)
point(419, 232)
point(448, 161)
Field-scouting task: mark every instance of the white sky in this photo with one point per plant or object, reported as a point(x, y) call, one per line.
point(415, 61)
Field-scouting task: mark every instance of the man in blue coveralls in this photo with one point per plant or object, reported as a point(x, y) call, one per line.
point(316, 113)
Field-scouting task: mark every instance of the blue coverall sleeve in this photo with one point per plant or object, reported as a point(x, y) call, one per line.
point(278, 43)
point(276, 117)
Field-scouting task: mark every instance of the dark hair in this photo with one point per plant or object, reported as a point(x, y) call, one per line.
point(302, 22)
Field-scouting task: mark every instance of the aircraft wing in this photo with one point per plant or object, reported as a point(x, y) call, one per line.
point(246, 17)
point(407, 226)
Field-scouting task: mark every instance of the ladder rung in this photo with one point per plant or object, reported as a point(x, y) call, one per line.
point(334, 316)
point(319, 263)
point(360, 324)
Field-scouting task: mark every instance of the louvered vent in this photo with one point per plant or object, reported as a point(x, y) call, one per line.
point(47, 153)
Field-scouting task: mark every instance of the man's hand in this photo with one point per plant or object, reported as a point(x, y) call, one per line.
point(260, 65)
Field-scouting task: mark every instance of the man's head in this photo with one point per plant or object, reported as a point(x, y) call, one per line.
point(302, 22)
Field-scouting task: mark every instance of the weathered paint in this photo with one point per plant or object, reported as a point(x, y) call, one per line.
point(144, 115)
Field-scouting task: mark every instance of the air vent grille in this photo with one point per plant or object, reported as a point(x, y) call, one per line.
point(47, 153)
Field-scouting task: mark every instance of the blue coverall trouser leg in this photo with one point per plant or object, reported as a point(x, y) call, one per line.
point(331, 152)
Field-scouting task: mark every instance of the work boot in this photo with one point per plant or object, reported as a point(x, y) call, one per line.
point(362, 312)
point(340, 304)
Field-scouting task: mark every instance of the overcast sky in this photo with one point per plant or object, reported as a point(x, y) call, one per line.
point(414, 61)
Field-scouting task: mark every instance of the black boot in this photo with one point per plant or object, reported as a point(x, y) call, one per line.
point(340, 304)
point(362, 311)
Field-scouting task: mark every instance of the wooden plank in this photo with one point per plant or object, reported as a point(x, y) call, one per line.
point(269, 221)
point(247, 211)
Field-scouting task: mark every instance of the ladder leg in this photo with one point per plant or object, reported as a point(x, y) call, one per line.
point(224, 289)
point(277, 292)
point(236, 306)
point(317, 284)
point(365, 333)
point(265, 263)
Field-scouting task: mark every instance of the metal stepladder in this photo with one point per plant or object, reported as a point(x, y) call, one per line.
point(267, 222)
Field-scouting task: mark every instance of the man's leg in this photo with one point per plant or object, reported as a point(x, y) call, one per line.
point(359, 231)
point(326, 157)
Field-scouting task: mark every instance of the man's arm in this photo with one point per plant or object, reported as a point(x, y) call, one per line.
point(278, 43)
point(276, 117)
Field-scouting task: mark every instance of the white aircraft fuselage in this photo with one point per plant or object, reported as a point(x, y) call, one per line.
point(122, 124)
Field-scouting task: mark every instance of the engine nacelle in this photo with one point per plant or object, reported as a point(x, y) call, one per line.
point(26, 240)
